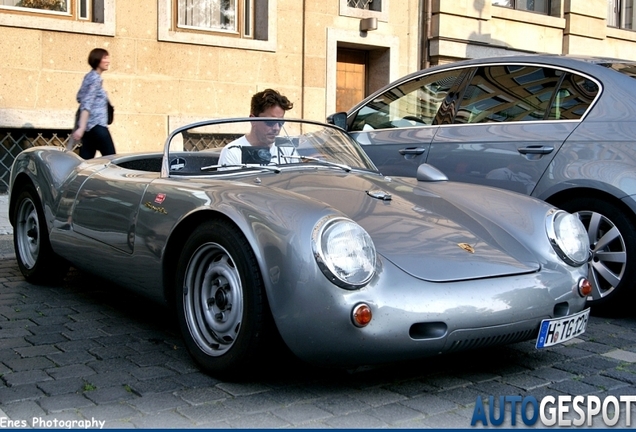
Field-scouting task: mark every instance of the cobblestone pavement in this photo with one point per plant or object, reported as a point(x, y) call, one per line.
point(90, 350)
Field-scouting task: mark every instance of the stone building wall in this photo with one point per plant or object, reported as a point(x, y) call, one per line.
point(161, 78)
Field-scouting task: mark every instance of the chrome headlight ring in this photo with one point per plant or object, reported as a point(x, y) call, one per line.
point(568, 237)
point(344, 252)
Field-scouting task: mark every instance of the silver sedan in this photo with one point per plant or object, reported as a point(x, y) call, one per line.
point(554, 127)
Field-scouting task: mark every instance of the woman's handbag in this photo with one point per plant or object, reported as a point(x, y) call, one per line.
point(111, 112)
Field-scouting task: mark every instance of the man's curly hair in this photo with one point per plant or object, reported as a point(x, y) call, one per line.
point(268, 98)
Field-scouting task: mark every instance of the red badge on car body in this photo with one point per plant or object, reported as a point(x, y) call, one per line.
point(160, 197)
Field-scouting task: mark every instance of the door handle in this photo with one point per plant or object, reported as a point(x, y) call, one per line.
point(536, 150)
point(412, 151)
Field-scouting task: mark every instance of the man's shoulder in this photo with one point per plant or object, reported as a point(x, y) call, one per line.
point(232, 150)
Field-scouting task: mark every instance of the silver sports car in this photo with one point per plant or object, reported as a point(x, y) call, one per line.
point(303, 241)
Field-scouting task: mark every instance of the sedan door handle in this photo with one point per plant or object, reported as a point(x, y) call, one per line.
point(412, 151)
point(536, 149)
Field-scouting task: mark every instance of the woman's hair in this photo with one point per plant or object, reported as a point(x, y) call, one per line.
point(268, 98)
point(95, 57)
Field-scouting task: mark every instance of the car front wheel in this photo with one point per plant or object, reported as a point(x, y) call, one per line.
point(220, 300)
point(612, 238)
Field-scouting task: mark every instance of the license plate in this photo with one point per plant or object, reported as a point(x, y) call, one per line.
point(558, 330)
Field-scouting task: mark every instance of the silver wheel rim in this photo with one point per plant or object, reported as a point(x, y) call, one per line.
point(27, 231)
point(213, 299)
point(609, 255)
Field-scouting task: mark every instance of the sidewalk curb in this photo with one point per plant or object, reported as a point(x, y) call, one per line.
point(5, 225)
point(6, 230)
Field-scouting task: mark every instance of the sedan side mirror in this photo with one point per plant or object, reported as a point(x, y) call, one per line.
point(429, 173)
point(339, 119)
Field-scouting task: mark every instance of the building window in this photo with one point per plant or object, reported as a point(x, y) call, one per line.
point(365, 9)
point(540, 6)
point(93, 17)
point(77, 9)
point(374, 5)
point(244, 24)
point(231, 17)
point(225, 16)
point(620, 14)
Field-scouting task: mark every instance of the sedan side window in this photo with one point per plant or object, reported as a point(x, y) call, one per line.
point(413, 103)
point(504, 93)
point(575, 95)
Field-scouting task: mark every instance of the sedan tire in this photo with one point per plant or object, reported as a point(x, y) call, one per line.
point(221, 304)
point(36, 259)
point(612, 238)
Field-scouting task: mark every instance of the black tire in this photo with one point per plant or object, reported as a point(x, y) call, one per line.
point(613, 243)
point(220, 300)
point(36, 259)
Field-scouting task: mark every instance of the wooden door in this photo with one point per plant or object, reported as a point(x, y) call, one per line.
point(351, 80)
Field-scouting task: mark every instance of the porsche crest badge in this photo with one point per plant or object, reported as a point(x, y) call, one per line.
point(466, 247)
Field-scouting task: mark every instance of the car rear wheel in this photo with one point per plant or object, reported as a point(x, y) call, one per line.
point(220, 299)
point(36, 259)
point(612, 238)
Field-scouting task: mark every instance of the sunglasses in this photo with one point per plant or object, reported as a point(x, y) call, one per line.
point(272, 123)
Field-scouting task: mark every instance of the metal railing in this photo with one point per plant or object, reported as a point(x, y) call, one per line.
point(206, 141)
point(13, 141)
point(359, 4)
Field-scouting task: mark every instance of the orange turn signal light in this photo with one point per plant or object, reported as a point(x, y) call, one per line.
point(361, 315)
point(585, 287)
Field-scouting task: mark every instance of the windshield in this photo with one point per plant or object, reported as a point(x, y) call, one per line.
point(219, 147)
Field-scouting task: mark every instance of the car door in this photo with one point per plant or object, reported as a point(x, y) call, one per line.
point(396, 127)
point(107, 206)
point(509, 124)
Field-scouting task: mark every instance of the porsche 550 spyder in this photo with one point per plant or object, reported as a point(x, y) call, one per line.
point(306, 242)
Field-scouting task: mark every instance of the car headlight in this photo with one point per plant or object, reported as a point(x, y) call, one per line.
point(344, 252)
point(568, 237)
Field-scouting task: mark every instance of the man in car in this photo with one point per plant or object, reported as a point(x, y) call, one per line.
point(258, 147)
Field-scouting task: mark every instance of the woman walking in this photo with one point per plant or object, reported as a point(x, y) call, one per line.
point(92, 122)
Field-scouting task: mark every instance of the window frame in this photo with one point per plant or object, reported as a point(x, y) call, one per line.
point(243, 24)
point(100, 20)
point(70, 5)
point(168, 31)
point(547, 10)
point(618, 15)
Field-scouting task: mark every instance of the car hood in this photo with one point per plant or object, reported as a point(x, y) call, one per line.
point(419, 230)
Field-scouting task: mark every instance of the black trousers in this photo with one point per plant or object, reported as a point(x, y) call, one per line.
point(96, 139)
